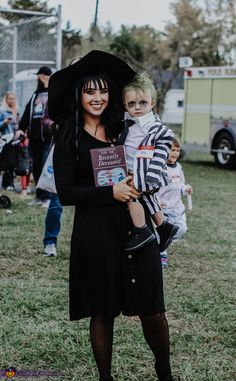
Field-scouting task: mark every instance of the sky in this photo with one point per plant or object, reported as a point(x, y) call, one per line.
point(128, 12)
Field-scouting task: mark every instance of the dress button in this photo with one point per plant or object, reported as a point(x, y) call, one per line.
point(133, 280)
point(129, 232)
point(112, 145)
point(130, 256)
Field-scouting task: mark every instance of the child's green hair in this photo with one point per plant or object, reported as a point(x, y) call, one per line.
point(141, 82)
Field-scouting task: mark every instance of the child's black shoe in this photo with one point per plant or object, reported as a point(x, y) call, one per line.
point(166, 233)
point(140, 238)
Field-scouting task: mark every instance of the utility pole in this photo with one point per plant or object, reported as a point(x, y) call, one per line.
point(94, 25)
point(96, 16)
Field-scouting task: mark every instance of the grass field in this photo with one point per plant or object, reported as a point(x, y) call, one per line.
point(199, 290)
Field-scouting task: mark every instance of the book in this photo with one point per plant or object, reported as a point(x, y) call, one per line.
point(109, 165)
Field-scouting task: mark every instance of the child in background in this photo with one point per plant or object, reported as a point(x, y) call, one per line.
point(147, 144)
point(170, 195)
point(25, 179)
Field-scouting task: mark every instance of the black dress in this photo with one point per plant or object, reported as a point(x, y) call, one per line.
point(104, 279)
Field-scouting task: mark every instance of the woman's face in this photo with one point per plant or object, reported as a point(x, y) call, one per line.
point(95, 98)
point(11, 100)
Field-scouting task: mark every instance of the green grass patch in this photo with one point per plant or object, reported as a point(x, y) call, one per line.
point(199, 291)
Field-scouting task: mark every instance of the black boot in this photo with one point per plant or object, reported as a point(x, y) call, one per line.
point(167, 375)
point(166, 378)
point(107, 379)
point(166, 233)
point(140, 237)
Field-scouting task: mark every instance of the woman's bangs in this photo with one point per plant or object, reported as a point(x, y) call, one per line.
point(99, 82)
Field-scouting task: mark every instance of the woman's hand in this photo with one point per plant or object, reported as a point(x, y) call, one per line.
point(6, 121)
point(18, 134)
point(123, 192)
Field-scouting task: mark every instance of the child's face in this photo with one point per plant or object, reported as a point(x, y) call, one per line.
point(138, 102)
point(174, 154)
point(11, 100)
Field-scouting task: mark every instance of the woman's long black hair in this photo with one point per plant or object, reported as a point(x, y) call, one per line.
point(71, 120)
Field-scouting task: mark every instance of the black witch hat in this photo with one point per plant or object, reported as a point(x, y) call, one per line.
point(95, 62)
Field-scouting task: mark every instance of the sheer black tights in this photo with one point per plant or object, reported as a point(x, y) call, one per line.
point(101, 336)
point(156, 333)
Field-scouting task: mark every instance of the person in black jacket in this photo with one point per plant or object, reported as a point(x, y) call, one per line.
point(39, 138)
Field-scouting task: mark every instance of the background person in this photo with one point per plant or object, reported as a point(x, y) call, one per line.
point(39, 138)
point(53, 216)
point(9, 120)
point(104, 279)
point(25, 179)
point(54, 212)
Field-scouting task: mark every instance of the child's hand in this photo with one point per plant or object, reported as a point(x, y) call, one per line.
point(189, 189)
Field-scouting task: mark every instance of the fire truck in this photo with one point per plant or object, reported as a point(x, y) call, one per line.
point(209, 121)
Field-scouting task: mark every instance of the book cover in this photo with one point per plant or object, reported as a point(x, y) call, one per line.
point(109, 165)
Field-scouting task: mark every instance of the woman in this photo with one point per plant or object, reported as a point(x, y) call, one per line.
point(9, 119)
point(104, 280)
point(39, 139)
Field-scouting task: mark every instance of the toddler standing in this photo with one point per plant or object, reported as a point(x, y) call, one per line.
point(170, 195)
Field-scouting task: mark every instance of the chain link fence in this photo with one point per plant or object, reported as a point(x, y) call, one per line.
point(28, 40)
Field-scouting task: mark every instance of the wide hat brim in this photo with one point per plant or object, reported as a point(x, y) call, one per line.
point(63, 81)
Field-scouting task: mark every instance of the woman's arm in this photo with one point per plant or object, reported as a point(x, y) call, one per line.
point(70, 193)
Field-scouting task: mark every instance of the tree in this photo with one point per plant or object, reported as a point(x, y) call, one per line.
point(127, 47)
point(71, 44)
point(192, 35)
point(224, 12)
point(33, 5)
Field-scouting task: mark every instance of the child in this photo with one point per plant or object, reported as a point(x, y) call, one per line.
point(25, 179)
point(147, 145)
point(170, 196)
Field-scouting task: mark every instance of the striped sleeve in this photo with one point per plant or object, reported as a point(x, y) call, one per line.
point(157, 170)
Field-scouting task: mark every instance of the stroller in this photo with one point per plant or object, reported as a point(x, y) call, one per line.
point(7, 160)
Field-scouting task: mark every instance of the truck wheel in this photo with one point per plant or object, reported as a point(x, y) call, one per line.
point(223, 160)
